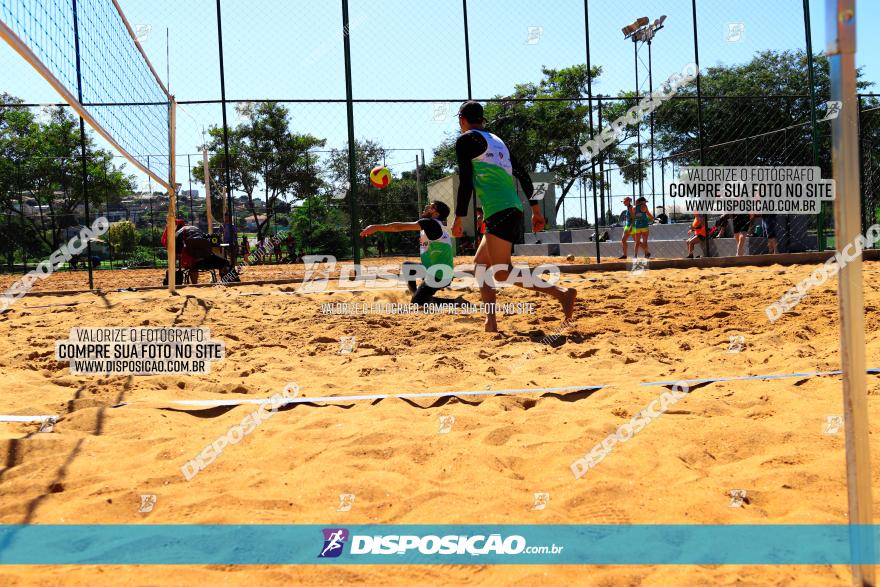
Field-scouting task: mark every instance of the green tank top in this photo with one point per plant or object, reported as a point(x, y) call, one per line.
point(439, 252)
point(493, 177)
point(641, 219)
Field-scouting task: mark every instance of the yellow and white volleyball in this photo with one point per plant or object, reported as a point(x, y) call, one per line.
point(380, 177)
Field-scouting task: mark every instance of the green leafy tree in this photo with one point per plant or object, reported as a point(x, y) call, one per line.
point(739, 129)
point(41, 171)
point(320, 226)
point(267, 160)
point(122, 236)
point(575, 222)
point(542, 126)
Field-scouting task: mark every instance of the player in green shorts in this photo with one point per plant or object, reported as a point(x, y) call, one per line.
point(435, 244)
point(485, 167)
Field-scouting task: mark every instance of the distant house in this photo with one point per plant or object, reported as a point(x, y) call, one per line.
point(250, 225)
point(30, 208)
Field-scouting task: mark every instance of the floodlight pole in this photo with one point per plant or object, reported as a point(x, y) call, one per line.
point(82, 141)
point(639, 123)
point(592, 159)
point(651, 91)
point(841, 39)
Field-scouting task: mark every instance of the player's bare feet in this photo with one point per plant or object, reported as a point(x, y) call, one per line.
point(491, 323)
point(568, 302)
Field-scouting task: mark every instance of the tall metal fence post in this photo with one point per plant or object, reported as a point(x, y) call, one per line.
point(590, 108)
point(82, 140)
point(352, 160)
point(189, 173)
point(706, 243)
point(863, 196)
point(223, 105)
point(699, 85)
point(814, 131)
point(470, 95)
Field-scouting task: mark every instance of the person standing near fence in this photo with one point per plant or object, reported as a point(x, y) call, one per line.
point(291, 247)
point(641, 222)
point(698, 232)
point(626, 218)
point(741, 225)
point(486, 168)
point(768, 226)
point(230, 238)
point(246, 249)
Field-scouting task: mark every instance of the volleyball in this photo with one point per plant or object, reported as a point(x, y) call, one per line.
point(380, 177)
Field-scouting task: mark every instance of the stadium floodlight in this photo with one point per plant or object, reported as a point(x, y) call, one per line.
point(89, 53)
point(630, 29)
point(642, 29)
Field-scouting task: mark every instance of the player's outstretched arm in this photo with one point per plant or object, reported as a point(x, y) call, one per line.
point(390, 227)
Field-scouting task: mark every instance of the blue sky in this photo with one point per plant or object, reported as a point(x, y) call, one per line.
point(415, 50)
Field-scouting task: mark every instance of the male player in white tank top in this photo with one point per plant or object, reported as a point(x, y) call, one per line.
point(486, 168)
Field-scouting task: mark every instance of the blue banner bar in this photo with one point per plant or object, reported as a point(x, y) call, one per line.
point(439, 544)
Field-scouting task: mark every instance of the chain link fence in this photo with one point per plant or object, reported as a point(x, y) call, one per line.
point(274, 98)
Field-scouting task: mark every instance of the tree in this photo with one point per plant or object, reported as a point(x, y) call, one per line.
point(763, 118)
point(318, 225)
point(543, 125)
point(575, 222)
point(40, 162)
point(264, 156)
point(122, 236)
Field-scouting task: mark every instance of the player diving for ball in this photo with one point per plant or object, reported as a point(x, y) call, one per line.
point(435, 244)
point(486, 167)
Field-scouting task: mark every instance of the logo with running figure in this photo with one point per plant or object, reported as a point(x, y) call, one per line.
point(334, 541)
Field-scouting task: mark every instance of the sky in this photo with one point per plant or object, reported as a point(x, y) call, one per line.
point(405, 50)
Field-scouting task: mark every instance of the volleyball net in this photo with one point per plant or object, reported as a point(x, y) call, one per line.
point(89, 53)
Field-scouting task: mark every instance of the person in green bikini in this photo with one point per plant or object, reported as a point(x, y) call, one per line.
point(485, 167)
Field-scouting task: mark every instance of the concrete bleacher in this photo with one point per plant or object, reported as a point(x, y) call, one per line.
point(666, 241)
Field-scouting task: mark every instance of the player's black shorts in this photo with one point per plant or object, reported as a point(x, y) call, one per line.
point(769, 223)
point(741, 223)
point(505, 224)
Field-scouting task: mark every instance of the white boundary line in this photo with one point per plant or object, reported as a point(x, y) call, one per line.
point(369, 397)
point(27, 419)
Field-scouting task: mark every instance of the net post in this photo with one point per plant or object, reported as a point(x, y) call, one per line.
point(171, 225)
point(840, 22)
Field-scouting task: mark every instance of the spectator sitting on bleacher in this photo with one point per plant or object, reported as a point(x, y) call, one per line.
point(698, 230)
point(661, 218)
